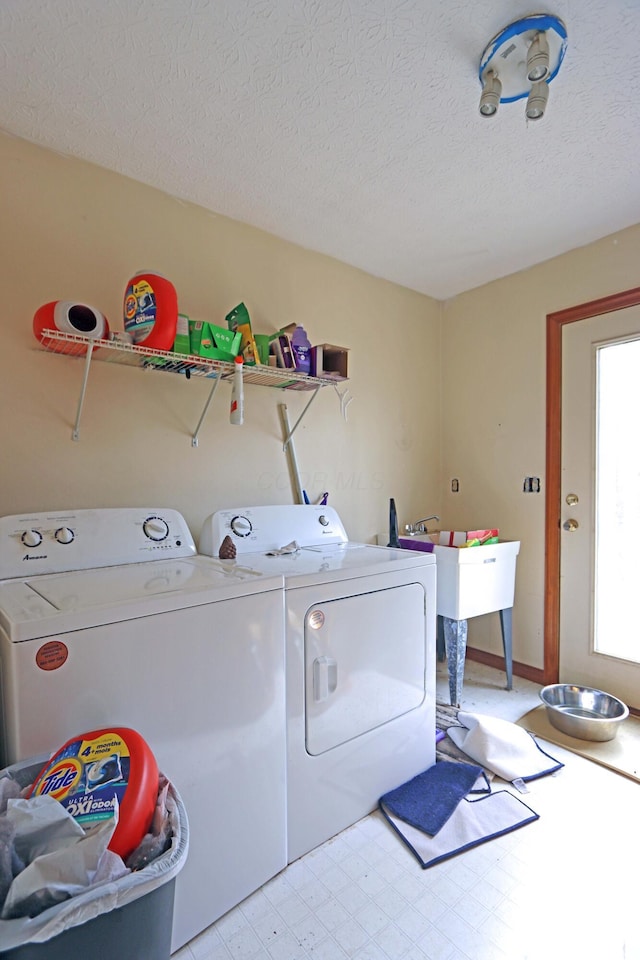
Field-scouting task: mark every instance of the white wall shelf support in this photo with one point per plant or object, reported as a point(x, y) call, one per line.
point(166, 361)
point(83, 389)
point(194, 439)
point(289, 433)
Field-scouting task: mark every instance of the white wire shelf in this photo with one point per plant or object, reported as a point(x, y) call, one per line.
point(164, 361)
point(135, 355)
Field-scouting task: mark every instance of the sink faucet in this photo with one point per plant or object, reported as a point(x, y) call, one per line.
point(419, 525)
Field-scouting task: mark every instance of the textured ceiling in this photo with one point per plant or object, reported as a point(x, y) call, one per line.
point(350, 127)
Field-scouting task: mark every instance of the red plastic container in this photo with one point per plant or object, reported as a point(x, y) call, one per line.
point(69, 317)
point(94, 771)
point(151, 310)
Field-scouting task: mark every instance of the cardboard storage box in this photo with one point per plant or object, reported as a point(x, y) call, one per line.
point(329, 361)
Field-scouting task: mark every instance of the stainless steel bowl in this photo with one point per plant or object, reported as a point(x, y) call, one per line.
point(583, 712)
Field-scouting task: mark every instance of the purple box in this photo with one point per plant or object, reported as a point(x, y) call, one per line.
point(412, 543)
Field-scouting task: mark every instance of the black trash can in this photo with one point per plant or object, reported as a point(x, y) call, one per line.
point(128, 919)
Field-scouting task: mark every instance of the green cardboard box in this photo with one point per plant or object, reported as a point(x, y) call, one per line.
point(214, 343)
point(182, 343)
point(263, 341)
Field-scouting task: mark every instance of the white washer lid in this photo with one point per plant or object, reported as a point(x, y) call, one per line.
point(62, 602)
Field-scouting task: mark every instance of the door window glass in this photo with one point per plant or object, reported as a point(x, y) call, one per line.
point(617, 513)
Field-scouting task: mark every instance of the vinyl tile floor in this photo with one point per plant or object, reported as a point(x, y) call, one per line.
point(563, 886)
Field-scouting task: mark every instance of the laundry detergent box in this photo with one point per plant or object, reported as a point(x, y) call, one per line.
point(215, 343)
point(263, 341)
point(182, 343)
point(280, 348)
point(238, 321)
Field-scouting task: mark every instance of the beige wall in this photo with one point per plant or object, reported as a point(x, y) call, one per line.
point(71, 230)
point(493, 401)
point(424, 411)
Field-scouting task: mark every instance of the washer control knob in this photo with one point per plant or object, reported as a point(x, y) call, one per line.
point(64, 535)
point(241, 526)
point(155, 528)
point(31, 538)
point(323, 520)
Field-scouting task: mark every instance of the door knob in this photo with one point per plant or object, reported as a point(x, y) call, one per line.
point(571, 525)
point(572, 499)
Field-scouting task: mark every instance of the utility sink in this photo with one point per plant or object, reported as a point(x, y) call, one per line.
point(471, 581)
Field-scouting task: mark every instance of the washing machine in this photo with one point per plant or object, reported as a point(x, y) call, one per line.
point(108, 617)
point(360, 660)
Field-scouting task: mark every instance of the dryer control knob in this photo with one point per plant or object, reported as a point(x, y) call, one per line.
point(64, 535)
point(31, 538)
point(155, 528)
point(241, 526)
point(323, 520)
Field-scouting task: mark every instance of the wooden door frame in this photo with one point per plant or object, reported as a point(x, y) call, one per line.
point(555, 323)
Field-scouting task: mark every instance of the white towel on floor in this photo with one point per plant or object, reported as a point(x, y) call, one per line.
point(473, 822)
point(501, 746)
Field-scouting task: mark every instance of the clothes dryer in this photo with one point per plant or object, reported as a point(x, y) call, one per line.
point(109, 617)
point(360, 660)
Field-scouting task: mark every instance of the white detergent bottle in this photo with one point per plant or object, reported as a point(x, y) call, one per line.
point(236, 411)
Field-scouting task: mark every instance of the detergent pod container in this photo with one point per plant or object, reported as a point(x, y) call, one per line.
point(104, 773)
point(151, 310)
point(67, 316)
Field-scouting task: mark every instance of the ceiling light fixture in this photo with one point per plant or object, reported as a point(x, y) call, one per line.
point(521, 61)
point(537, 100)
point(538, 59)
point(491, 90)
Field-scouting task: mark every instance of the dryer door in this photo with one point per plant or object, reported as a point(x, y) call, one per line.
point(365, 663)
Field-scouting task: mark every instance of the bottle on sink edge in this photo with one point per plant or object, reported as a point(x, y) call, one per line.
point(236, 410)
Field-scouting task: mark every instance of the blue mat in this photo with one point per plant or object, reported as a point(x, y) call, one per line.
point(428, 800)
point(473, 822)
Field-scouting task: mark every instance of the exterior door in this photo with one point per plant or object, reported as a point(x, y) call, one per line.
point(600, 504)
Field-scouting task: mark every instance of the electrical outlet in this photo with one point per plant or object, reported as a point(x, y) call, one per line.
point(531, 485)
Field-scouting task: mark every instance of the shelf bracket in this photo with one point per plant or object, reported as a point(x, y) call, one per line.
point(194, 439)
point(83, 389)
point(345, 399)
point(290, 432)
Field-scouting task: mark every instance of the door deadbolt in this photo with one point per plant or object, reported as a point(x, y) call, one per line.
point(572, 499)
point(571, 525)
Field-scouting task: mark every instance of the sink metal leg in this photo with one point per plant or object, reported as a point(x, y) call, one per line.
point(455, 636)
point(440, 644)
point(507, 645)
